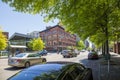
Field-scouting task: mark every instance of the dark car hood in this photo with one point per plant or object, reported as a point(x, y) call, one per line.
point(36, 70)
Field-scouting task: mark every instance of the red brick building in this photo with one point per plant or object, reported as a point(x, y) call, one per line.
point(56, 38)
point(116, 48)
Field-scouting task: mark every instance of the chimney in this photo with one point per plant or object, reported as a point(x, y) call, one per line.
point(48, 27)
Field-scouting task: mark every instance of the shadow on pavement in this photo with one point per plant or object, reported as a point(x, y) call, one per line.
point(103, 69)
point(13, 68)
point(94, 65)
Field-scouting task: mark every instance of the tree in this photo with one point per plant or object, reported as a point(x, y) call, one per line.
point(80, 45)
point(3, 41)
point(36, 44)
point(86, 18)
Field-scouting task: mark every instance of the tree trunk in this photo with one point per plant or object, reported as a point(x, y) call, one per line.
point(107, 55)
point(103, 49)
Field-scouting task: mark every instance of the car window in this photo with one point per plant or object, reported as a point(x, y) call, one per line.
point(20, 55)
point(33, 55)
point(40, 51)
point(44, 50)
point(67, 77)
point(66, 51)
point(71, 72)
point(75, 72)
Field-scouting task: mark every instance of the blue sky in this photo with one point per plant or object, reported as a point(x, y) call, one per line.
point(12, 21)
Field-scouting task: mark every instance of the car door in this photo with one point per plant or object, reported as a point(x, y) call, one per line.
point(33, 59)
point(38, 58)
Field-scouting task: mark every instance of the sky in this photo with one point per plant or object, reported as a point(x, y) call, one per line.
point(12, 21)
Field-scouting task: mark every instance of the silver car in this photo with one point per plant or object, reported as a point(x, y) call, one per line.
point(68, 53)
point(25, 60)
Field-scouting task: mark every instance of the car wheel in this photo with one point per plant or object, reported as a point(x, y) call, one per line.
point(44, 60)
point(64, 56)
point(27, 64)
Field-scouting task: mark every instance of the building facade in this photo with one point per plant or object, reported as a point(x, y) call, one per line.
point(116, 47)
point(56, 38)
point(34, 34)
point(18, 42)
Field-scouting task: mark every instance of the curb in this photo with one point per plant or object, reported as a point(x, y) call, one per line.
point(3, 57)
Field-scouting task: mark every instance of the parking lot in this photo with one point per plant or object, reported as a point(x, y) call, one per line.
point(5, 70)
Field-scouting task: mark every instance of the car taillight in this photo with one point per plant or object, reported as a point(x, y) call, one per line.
point(18, 60)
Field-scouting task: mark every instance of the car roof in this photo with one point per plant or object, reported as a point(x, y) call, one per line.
point(26, 53)
point(66, 50)
point(44, 67)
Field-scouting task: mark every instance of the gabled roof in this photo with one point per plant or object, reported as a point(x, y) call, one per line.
point(17, 36)
point(52, 28)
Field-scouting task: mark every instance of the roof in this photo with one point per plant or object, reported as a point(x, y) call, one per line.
point(44, 67)
point(52, 28)
point(18, 36)
point(17, 46)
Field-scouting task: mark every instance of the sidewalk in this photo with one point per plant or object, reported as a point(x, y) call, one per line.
point(3, 57)
point(110, 70)
point(104, 70)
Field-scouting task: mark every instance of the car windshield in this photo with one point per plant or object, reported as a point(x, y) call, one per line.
point(52, 75)
point(40, 52)
point(20, 55)
point(66, 51)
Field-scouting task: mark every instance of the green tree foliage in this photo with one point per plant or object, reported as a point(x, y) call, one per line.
point(80, 45)
point(89, 49)
point(36, 44)
point(111, 43)
point(97, 39)
point(87, 18)
point(3, 41)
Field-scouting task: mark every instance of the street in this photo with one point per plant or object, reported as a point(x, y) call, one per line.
point(7, 71)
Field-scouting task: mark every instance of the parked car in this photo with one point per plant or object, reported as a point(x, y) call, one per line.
point(83, 50)
point(25, 60)
point(54, 71)
point(93, 55)
point(77, 51)
point(68, 53)
point(43, 52)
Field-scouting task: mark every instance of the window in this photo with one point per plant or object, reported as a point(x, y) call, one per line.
point(33, 55)
point(60, 43)
point(20, 55)
point(76, 72)
point(49, 37)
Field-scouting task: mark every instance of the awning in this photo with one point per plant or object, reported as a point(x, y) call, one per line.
point(17, 46)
